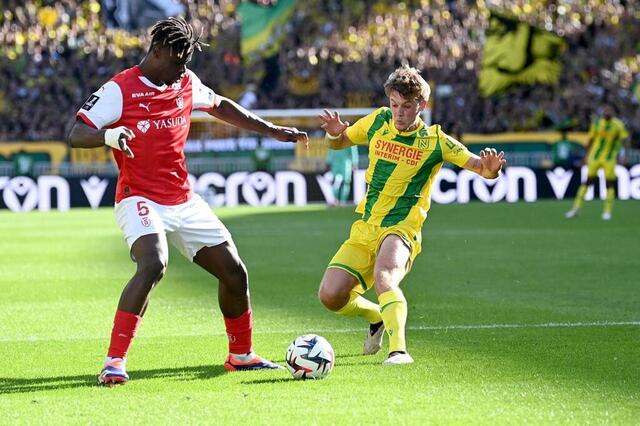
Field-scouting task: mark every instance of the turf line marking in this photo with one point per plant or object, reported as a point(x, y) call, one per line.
point(493, 326)
point(543, 325)
point(597, 324)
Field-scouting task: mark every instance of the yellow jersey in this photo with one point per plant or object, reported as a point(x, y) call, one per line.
point(402, 168)
point(607, 137)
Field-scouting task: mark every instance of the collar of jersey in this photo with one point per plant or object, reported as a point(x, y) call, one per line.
point(148, 82)
point(392, 124)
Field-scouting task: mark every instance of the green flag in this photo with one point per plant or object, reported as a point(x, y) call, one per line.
point(517, 53)
point(262, 28)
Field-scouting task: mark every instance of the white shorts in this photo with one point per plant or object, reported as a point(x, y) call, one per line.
point(189, 226)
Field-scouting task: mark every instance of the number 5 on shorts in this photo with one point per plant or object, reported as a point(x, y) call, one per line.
point(143, 210)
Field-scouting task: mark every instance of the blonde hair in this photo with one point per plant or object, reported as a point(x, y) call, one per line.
point(409, 83)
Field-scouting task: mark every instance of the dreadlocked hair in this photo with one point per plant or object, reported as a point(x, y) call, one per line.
point(178, 35)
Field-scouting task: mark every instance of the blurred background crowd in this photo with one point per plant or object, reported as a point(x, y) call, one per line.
point(53, 54)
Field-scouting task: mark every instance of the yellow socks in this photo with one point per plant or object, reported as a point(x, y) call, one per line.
point(608, 203)
point(577, 203)
point(393, 308)
point(358, 306)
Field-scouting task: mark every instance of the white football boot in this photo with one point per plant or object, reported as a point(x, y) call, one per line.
point(373, 342)
point(606, 216)
point(398, 358)
point(572, 213)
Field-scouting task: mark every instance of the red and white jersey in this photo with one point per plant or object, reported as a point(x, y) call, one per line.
point(160, 117)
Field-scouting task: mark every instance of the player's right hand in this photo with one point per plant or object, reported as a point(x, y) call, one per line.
point(332, 124)
point(290, 134)
point(118, 138)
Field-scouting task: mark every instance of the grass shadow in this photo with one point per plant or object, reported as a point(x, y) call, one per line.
point(267, 381)
point(11, 385)
point(364, 361)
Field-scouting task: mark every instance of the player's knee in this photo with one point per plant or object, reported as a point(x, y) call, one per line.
point(387, 279)
point(152, 268)
point(236, 278)
point(331, 298)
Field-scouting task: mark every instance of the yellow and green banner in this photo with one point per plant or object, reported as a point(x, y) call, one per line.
point(262, 27)
point(517, 53)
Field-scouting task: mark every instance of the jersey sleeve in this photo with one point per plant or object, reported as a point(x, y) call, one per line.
point(452, 150)
point(103, 107)
point(204, 98)
point(358, 132)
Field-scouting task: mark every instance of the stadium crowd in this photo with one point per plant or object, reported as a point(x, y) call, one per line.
point(336, 53)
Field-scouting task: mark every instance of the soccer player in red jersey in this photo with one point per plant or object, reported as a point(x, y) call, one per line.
point(143, 113)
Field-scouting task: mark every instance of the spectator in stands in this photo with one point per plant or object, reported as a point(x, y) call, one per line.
point(49, 50)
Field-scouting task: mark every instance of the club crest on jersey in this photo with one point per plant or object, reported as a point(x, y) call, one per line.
point(180, 102)
point(422, 143)
point(143, 125)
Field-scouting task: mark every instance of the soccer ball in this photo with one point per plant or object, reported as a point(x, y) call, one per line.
point(310, 357)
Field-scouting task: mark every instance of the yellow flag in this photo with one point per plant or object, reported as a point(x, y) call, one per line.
point(517, 53)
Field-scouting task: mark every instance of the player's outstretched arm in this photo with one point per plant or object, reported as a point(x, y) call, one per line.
point(238, 116)
point(488, 164)
point(335, 127)
point(83, 136)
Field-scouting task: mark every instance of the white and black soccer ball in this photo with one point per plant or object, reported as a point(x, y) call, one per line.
point(310, 357)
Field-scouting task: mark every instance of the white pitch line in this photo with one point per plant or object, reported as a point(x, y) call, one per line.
point(543, 325)
point(493, 326)
point(596, 324)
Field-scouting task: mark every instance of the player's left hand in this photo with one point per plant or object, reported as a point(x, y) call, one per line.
point(290, 134)
point(492, 162)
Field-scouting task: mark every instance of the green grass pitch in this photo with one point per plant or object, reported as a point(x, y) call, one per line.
point(516, 315)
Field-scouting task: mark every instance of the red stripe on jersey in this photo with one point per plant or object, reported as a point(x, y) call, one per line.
point(160, 121)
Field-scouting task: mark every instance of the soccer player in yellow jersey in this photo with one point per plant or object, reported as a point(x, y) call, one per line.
point(607, 134)
point(404, 157)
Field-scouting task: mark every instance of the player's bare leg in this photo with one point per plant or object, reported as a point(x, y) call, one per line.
point(151, 254)
point(223, 262)
point(341, 292)
point(335, 288)
point(390, 268)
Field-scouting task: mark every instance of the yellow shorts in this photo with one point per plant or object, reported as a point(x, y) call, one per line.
point(609, 167)
point(357, 255)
